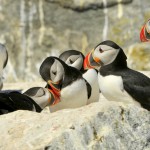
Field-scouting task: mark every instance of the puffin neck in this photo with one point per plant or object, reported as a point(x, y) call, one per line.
point(119, 63)
point(82, 70)
point(37, 107)
point(71, 74)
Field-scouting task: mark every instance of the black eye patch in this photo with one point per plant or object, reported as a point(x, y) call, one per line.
point(54, 72)
point(71, 62)
point(100, 50)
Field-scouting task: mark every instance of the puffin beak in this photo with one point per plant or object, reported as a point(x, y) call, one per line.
point(54, 98)
point(54, 90)
point(142, 35)
point(91, 62)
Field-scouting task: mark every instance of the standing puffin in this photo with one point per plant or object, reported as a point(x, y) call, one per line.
point(116, 81)
point(75, 59)
point(3, 62)
point(34, 99)
point(66, 82)
point(145, 32)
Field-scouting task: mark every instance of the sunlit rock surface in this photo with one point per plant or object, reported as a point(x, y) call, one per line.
point(33, 30)
point(94, 127)
point(139, 56)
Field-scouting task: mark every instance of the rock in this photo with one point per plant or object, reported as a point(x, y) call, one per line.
point(99, 125)
point(84, 5)
point(33, 30)
point(139, 56)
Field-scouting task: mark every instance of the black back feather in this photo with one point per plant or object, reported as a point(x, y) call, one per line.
point(16, 101)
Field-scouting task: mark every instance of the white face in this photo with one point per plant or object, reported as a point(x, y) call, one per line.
point(75, 61)
point(105, 53)
point(148, 26)
point(56, 71)
point(42, 97)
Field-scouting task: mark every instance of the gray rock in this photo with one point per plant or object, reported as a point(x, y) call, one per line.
point(84, 5)
point(99, 125)
point(139, 56)
point(33, 30)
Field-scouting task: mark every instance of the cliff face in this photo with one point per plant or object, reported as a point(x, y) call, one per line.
point(97, 126)
point(34, 29)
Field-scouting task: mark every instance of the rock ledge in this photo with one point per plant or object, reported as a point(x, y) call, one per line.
point(99, 125)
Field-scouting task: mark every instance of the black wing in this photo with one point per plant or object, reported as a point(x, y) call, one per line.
point(138, 86)
point(89, 89)
point(6, 103)
point(16, 101)
point(24, 102)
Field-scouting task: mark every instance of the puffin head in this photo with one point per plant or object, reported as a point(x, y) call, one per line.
point(145, 32)
point(73, 58)
point(42, 96)
point(52, 71)
point(103, 54)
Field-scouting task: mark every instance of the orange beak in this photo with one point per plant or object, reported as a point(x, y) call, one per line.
point(142, 35)
point(55, 99)
point(91, 62)
point(145, 33)
point(86, 63)
point(55, 92)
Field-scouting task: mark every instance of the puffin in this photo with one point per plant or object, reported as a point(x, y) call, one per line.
point(70, 88)
point(75, 59)
point(117, 82)
point(3, 62)
point(34, 99)
point(145, 32)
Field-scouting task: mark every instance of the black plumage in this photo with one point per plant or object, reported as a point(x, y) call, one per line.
point(136, 84)
point(13, 101)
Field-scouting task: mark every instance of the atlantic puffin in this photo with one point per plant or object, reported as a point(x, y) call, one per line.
point(145, 32)
point(117, 82)
point(34, 99)
point(75, 59)
point(3, 62)
point(71, 89)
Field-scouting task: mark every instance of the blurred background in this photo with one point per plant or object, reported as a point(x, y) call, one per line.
point(35, 29)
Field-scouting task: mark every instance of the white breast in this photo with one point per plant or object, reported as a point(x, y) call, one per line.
point(72, 96)
point(113, 90)
point(91, 77)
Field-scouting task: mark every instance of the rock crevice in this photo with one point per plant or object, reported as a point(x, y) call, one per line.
point(84, 5)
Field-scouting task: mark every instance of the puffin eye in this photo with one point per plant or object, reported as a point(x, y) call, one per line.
point(100, 50)
point(71, 62)
point(54, 72)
